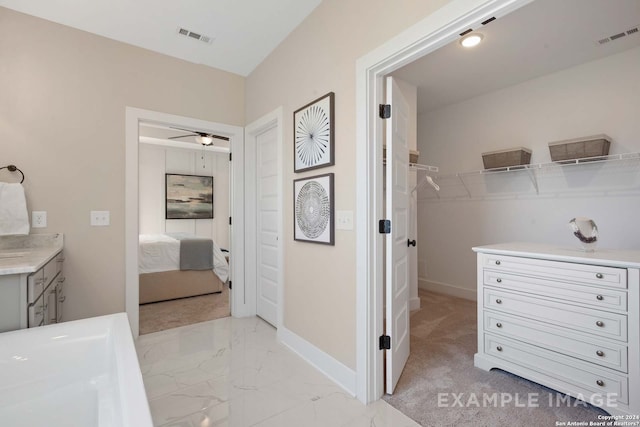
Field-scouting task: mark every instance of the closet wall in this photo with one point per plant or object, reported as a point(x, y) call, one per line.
point(155, 162)
point(602, 96)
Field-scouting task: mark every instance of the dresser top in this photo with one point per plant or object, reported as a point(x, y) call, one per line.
point(605, 257)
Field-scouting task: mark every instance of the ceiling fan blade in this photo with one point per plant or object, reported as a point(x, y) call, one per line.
point(182, 136)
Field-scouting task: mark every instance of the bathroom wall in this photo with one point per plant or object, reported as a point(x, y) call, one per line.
point(598, 97)
point(63, 94)
point(154, 162)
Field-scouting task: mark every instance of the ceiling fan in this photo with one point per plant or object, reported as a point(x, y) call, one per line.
point(203, 138)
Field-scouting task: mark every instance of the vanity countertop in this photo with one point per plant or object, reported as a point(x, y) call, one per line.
point(27, 254)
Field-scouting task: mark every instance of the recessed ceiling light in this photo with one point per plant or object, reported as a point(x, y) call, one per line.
point(471, 40)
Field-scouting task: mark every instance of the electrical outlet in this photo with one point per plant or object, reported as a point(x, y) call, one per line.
point(38, 219)
point(100, 218)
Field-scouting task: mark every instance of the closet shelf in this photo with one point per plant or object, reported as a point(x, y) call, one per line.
point(524, 178)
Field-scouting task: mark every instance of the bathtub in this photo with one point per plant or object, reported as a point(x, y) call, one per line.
point(80, 373)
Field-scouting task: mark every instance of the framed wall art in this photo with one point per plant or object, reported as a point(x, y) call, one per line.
point(313, 210)
point(188, 196)
point(313, 134)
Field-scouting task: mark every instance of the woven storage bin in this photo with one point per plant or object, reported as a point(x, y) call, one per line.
point(580, 148)
point(506, 158)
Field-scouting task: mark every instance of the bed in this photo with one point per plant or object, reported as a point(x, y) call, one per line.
point(179, 265)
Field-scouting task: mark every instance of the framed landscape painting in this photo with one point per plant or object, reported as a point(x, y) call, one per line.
point(188, 196)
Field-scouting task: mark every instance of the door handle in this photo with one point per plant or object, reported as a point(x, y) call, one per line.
point(411, 242)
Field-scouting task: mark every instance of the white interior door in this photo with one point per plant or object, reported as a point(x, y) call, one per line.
point(268, 213)
point(397, 259)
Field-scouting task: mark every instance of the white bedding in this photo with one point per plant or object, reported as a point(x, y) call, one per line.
point(159, 252)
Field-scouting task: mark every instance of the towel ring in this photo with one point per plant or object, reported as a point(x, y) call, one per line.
point(14, 168)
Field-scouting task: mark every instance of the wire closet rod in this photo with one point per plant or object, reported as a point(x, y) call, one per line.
point(14, 168)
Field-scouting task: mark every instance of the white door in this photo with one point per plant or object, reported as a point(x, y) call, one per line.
point(267, 227)
point(397, 259)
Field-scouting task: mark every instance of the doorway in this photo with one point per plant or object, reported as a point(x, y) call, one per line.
point(427, 36)
point(134, 117)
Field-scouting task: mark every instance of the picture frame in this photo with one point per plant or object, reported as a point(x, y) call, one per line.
point(313, 209)
point(313, 134)
point(188, 196)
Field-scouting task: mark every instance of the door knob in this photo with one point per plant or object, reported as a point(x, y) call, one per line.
point(411, 242)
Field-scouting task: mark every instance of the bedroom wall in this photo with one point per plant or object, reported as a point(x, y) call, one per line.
point(62, 117)
point(320, 56)
point(602, 96)
point(154, 162)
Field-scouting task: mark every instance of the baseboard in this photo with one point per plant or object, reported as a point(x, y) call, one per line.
point(447, 289)
point(414, 304)
point(335, 370)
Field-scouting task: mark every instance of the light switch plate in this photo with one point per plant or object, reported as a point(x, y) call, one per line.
point(344, 220)
point(39, 219)
point(100, 218)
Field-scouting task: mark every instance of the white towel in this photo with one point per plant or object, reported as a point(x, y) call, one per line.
point(14, 218)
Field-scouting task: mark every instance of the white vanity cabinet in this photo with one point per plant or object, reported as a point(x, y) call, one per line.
point(563, 318)
point(31, 287)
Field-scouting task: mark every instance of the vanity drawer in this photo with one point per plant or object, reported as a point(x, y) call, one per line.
point(602, 298)
point(35, 286)
point(36, 312)
point(597, 322)
point(564, 341)
point(52, 268)
point(581, 377)
point(564, 271)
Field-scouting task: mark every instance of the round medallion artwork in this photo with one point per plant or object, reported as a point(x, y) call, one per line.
point(312, 209)
point(312, 136)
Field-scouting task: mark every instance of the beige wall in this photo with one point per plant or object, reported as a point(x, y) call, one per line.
point(63, 94)
point(319, 57)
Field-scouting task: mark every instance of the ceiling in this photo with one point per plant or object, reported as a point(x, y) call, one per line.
point(243, 32)
point(540, 38)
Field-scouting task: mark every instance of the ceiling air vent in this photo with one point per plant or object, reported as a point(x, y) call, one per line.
point(194, 35)
point(628, 32)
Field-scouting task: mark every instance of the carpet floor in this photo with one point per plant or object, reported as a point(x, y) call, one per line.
point(440, 384)
point(159, 316)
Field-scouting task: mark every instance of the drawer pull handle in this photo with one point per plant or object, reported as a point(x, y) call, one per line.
point(599, 297)
point(62, 298)
point(499, 325)
point(499, 280)
point(499, 348)
point(599, 275)
point(600, 383)
point(498, 262)
point(498, 301)
point(600, 353)
point(600, 323)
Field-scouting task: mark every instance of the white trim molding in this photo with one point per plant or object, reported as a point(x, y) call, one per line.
point(447, 289)
point(133, 117)
point(440, 28)
point(332, 368)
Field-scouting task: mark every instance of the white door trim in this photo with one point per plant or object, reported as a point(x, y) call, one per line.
point(133, 117)
point(252, 131)
point(433, 32)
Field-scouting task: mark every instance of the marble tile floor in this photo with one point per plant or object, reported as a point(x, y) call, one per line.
point(233, 372)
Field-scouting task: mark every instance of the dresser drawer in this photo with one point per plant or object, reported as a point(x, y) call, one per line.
point(602, 298)
point(564, 341)
point(583, 379)
point(583, 319)
point(565, 271)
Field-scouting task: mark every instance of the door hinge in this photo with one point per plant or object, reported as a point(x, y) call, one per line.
point(385, 342)
point(229, 220)
point(230, 284)
point(384, 226)
point(230, 156)
point(385, 111)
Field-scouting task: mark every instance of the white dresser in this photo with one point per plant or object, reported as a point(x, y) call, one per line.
point(563, 318)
